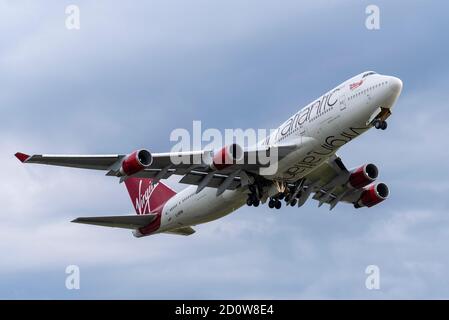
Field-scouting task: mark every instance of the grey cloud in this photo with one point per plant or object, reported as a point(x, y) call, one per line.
point(132, 74)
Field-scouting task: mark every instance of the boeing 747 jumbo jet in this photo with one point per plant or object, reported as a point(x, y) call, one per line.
point(224, 180)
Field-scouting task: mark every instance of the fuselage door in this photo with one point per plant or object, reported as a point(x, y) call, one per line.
point(342, 102)
point(300, 133)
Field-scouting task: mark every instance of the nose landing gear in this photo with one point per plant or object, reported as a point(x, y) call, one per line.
point(380, 124)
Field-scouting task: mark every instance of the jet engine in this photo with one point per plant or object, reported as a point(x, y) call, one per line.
point(372, 195)
point(363, 176)
point(227, 156)
point(135, 162)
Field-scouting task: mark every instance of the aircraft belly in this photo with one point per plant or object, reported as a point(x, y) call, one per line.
point(299, 162)
point(205, 207)
point(314, 151)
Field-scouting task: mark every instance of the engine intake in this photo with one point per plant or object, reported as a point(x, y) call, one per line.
point(227, 156)
point(372, 195)
point(135, 162)
point(363, 176)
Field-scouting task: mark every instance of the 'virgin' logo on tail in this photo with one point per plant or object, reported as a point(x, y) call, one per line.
point(143, 199)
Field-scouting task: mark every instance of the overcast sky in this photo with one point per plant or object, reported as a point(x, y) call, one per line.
point(134, 72)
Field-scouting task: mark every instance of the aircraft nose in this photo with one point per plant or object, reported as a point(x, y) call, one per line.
point(395, 85)
point(392, 92)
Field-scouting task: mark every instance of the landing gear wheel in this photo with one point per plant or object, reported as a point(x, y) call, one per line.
point(256, 203)
point(293, 203)
point(380, 124)
point(281, 196)
point(249, 202)
point(278, 204)
point(271, 203)
point(377, 124)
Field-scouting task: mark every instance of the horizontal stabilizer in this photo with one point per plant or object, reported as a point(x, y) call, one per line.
point(127, 222)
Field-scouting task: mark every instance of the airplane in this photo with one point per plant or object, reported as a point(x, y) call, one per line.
point(223, 181)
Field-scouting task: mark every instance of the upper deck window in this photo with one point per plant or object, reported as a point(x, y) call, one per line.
point(368, 74)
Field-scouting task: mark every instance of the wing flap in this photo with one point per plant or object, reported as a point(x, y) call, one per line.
point(195, 178)
point(329, 182)
point(127, 222)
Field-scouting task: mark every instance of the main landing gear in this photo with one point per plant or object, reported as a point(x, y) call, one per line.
point(253, 197)
point(289, 200)
point(289, 195)
point(252, 200)
point(274, 203)
point(380, 124)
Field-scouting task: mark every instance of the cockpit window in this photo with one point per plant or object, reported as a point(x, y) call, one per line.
point(368, 74)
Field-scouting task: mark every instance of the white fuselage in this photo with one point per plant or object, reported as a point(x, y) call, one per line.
point(317, 130)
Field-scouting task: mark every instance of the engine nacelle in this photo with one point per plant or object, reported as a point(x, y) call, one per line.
point(135, 162)
point(363, 176)
point(227, 156)
point(372, 195)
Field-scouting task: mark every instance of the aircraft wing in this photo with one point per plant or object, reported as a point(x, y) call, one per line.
point(127, 222)
point(330, 184)
point(196, 168)
point(96, 162)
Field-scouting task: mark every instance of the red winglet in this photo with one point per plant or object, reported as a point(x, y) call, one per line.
point(22, 156)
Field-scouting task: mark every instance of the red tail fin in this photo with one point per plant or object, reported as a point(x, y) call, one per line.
point(147, 198)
